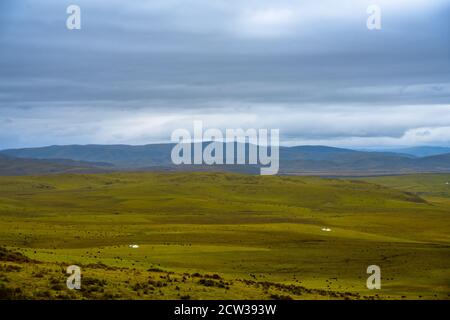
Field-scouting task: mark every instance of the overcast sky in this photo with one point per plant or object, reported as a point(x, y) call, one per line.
point(139, 69)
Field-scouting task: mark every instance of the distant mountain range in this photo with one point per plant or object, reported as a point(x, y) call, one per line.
point(423, 151)
point(300, 160)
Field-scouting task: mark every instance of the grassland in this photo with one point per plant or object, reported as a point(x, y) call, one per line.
point(425, 185)
point(216, 236)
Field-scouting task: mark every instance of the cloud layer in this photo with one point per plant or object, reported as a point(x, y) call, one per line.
point(135, 72)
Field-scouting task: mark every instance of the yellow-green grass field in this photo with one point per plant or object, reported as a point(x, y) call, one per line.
point(224, 236)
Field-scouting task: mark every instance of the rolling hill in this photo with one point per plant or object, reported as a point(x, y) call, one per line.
point(222, 236)
point(10, 166)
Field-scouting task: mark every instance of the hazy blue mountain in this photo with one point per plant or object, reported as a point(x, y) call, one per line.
point(427, 151)
point(438, 161)
point(299, 160)
point(124, 156)
point(423, 151)
point(127, 156)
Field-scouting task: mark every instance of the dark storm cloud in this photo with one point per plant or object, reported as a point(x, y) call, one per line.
point(172, 60)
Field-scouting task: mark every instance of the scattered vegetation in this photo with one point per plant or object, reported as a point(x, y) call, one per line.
point(223, 236)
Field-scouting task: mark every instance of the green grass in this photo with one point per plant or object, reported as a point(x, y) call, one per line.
point(262, 235)
point(435, 185)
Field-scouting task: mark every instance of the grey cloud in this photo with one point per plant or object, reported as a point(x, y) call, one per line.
point(181, 59)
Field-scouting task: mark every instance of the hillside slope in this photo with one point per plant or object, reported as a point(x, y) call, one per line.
point(10, 166)
point(296, 237)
